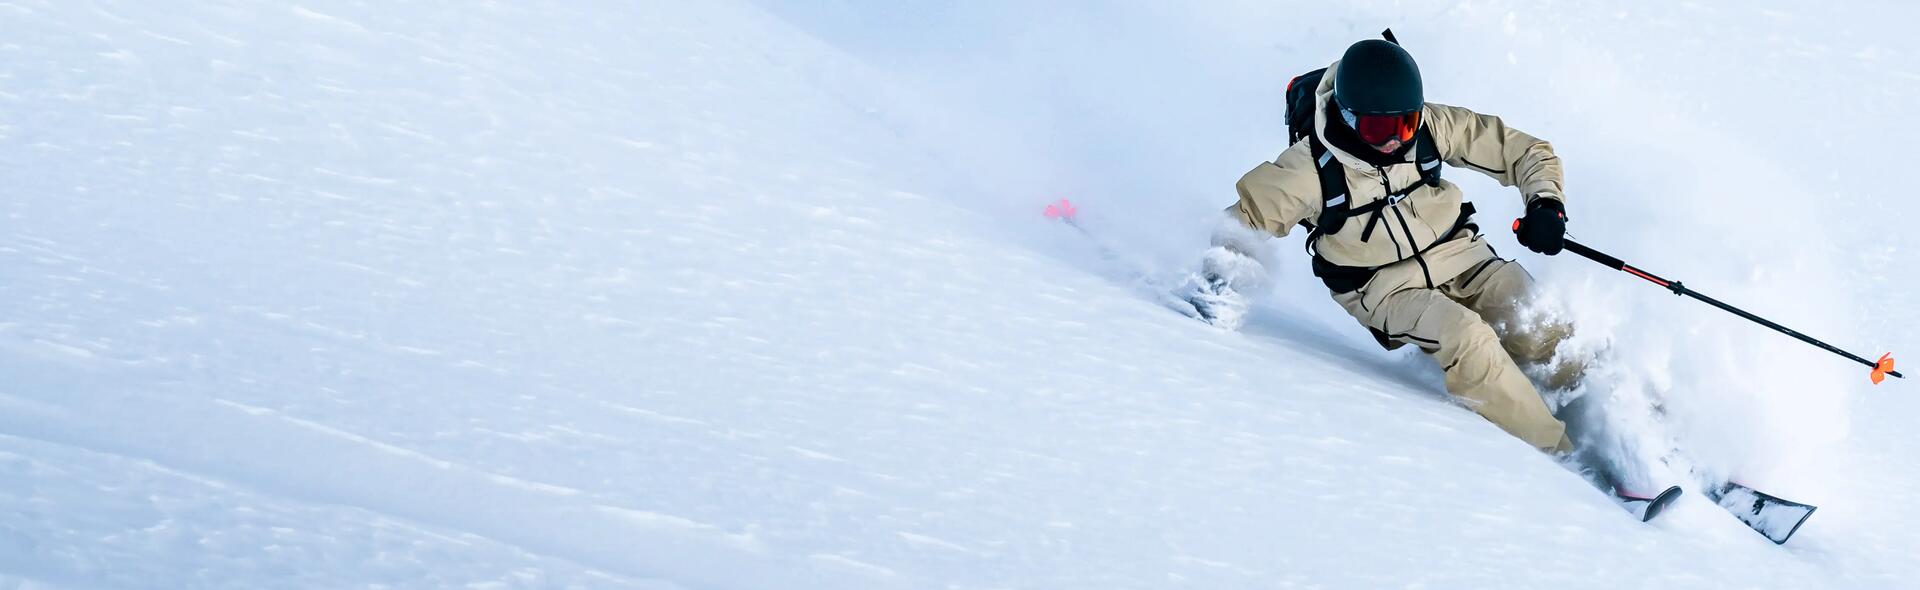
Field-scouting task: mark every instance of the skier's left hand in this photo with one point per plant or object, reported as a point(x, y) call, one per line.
point(1544, 229)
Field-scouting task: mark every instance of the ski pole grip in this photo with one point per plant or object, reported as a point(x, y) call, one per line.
point(1595, 255)
point(1590, 253)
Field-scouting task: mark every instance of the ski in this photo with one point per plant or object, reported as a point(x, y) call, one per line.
point(1647, 507)
point(1773, 517)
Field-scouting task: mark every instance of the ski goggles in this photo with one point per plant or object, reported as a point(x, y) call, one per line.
point(1380, 129)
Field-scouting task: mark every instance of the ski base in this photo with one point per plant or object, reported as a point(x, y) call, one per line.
point(1775, 518)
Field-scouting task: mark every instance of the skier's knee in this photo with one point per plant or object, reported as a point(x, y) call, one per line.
point(1536, 340)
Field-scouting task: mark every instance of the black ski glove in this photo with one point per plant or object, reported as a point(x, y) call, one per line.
point(1544, 229)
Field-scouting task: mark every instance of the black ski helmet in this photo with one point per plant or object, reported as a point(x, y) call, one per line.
point(1377, 77)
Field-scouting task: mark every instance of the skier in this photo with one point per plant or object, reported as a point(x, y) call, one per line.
point(1396, 244)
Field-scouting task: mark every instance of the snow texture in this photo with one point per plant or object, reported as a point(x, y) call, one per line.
point(720, 295)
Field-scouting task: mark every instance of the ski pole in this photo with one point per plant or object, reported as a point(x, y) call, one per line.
point(1881, 369)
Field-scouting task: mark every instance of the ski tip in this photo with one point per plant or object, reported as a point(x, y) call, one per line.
point(1660, 503)
point(1062, 210)
point(1648, 506)
point(1796, 526)
point(1762, 511)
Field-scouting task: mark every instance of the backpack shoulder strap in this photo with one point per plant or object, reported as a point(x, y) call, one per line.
point(1335, 207)
point(1427, 154)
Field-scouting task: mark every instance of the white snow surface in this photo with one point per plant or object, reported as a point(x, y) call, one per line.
point(341, 294)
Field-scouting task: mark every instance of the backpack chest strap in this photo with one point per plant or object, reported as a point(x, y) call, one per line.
point(1336, 203)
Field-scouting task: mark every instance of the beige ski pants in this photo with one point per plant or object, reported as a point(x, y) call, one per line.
point(1471, 326)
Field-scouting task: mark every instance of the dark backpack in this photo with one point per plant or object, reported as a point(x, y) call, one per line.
point(1300, 104)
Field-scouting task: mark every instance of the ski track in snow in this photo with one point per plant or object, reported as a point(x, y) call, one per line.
point(334, 294)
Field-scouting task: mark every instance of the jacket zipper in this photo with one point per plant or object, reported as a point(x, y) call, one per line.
point(1418, 257)
point(1386, 202)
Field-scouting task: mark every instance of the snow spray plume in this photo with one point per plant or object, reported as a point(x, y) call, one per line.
point(1881, 368)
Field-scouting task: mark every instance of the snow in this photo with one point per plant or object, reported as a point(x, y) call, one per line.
point(724, 295)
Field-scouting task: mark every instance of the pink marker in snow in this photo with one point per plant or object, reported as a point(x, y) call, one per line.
point(1062, 210)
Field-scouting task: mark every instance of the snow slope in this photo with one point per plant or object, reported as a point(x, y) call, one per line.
point(596, 294)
